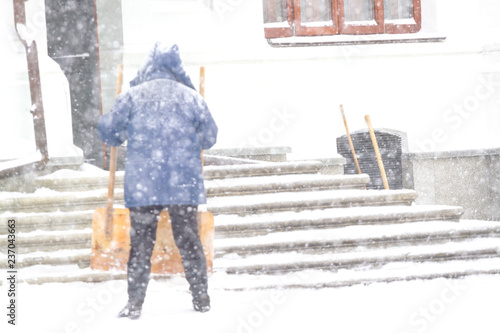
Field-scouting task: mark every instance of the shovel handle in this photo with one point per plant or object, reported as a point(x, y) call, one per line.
point(111, 193)
point(108, 227)
point(377, 152)
point(351, 144)
point(202, 81)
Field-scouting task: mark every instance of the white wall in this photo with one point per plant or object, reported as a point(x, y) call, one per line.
point(445, 95)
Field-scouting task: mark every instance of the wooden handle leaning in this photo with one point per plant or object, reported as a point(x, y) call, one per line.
point(350, 140)
point(377, 152)
point(111, 193)
point(202, 81)
point(119, 80)
point(112, 169)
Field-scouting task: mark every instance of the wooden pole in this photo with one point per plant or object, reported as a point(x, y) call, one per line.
point(350, 140)
point(377, 152)
point(202, 81)
point(119, 80)
point(35, 84)
point(112, 169)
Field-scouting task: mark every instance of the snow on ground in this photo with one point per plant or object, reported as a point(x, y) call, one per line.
point(465, 305)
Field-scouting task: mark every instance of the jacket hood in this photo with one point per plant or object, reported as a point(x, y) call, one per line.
point(162, 62)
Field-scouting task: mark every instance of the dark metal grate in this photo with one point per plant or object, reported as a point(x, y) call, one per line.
point(390, 150)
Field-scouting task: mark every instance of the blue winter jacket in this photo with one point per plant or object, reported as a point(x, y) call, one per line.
point(167, 124)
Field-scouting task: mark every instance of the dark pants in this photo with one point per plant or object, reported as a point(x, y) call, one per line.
point(144, 221)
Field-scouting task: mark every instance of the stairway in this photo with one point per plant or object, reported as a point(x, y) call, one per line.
point(281, 224)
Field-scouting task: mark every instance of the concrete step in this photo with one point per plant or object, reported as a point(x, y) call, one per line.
point(273, 154)
point(70, 273)
point(273, 184)
point(54, 201)
point(48, 241)
point(310, 278)
point(48, 200)
point(393, 272)
point(351, 238)
point(60, 220)
point(226, 226)
point(81, 258)
point(76, 181)
point(316, 241)
point(71, 180)
point(281, 263)
point(261, 224)
point(298, 201)
point(53, 221)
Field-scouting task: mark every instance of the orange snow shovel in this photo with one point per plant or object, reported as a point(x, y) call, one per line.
point(111, 232)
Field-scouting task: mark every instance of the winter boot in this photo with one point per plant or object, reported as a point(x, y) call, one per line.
point(201, 302)
point(132, 310)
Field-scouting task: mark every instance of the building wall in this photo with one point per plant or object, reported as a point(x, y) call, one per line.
point(462, 178)
point(445, 95)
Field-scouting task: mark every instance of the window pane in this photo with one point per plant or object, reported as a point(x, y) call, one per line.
point(275, 11)
point(359, 10)
point(398, 9)
point(315, 11)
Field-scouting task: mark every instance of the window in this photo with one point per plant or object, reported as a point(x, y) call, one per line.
point(287, 18)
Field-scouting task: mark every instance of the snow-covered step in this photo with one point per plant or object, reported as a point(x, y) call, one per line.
point(66, 180)
point(258, 224)
point(310, 241)
point(261, 169)
point(321, 219)
point(51, 221)
point(297, 201)
point(49, 200)
point(266, 184)
point(311, 278)
point(317, 278)
point(229, 225)
point(72, 180)
point(68, 273)
point(45, 200)
point(350, 238)
point(279, 263)
point(55, 258)
point(49, 241)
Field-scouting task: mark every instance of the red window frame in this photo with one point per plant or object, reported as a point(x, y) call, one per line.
point(294, 27)
point(304, 30)
point(285, 31)
point(395, 28)
point(360, 29)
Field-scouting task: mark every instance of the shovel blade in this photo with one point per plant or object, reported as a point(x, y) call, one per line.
point(111, 251)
